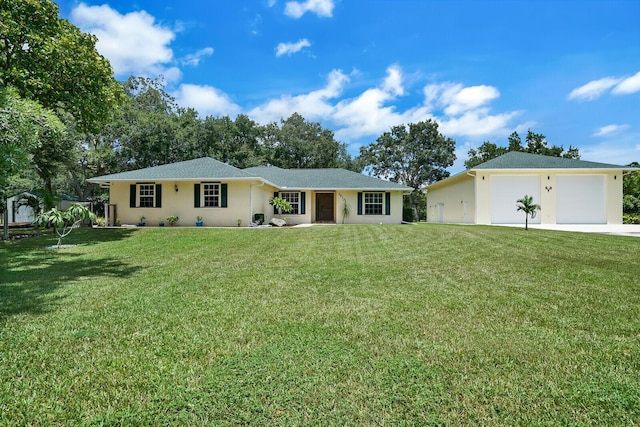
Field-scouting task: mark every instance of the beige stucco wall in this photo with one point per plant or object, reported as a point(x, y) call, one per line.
point(262, 194)
point(180, 203)
point(456, 201)
point(548, 196)
point(244, 199)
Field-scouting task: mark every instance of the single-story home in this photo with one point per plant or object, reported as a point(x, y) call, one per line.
point(224, 195)
point(569, 191)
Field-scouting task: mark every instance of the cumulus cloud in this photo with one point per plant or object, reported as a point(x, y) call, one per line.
point(322, 8)
point(291, 48)
point(134, 43)
point(610, 129)
point(628, 85)
point(195, 58)
point(314, 105)
point(207, 100)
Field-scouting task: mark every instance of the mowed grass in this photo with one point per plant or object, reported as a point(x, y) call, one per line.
point(328, 325)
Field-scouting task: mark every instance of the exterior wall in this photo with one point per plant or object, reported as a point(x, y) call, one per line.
point(181, 204)
point(262, 194)
point(244, 199)
point(548, 196)
point(454, 203)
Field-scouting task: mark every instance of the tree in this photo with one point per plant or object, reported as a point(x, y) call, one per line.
point(52, 62)
point(535, 143)
point(64, 222)
point(528, 207)
point(414, 155)
point(300, 144)
point(24, 128)
point(631, 191)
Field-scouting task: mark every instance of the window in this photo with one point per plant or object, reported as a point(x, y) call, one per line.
point(373, 203)
point(294, 199)
point(146, 195)
point(211, 195)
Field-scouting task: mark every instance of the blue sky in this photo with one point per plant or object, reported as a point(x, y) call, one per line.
point(569, 69)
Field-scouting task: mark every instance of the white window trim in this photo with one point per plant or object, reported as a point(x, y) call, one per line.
point(203, 197)
point(139, 194)
point(365, 204)
point(295, 205)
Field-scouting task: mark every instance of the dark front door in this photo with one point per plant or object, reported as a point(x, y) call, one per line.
point(324, 207)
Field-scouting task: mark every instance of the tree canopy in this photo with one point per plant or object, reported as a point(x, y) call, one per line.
point(414, 155)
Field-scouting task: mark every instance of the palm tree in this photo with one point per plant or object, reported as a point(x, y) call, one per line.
point(528, 207)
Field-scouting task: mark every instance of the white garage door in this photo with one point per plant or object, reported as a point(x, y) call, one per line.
point(505, 190)
point(580, 199)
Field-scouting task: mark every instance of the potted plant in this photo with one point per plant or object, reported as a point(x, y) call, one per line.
point(172, 219)
point(161, 222)
point(199, 221)
point(239, 221)
point(142, 223)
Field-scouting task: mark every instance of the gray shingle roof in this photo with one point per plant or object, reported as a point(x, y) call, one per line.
point(196, 169)
point(206, 168)
point(519, 160)
point(322, 179)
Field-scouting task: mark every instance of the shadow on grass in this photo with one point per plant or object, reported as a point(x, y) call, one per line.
point(30, 273)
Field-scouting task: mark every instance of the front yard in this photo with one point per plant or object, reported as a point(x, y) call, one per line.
point(327, 325)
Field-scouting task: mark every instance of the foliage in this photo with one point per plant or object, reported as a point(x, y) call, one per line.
point(55, 64)
point(281, 205)
point(25, 129)
point(346, 208)
point(631, 190)
point(536, 143)
point(300, 144)
point(415, 155)
point(30, 201)
point(529, 208)
point(630, 219)
point(172, 219)
point(63, 222)
point(203, 327)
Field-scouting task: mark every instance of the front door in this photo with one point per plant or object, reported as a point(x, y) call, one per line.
point(324, 207)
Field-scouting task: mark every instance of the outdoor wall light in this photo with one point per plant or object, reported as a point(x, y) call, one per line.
point(175, 187)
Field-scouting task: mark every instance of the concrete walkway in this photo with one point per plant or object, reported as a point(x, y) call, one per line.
point(619, 229)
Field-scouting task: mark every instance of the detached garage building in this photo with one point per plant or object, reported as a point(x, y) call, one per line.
point(569, 191)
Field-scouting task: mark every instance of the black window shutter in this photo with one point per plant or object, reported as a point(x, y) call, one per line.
point(158, 195)
point(132, 196)
point(387, 203)
point(275, 211)
point(302, 203)
point(196, 195)
point(223, 195)
point(359, 203)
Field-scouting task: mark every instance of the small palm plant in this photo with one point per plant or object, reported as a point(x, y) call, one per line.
point(528, 207)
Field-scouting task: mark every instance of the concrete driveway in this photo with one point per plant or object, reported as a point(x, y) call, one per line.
point(619, 229)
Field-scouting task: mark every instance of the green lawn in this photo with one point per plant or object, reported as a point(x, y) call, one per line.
point(328, 325)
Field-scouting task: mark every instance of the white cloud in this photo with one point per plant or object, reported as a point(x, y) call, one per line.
point(322, 8)
point(594, 88)
point(393, 81)
point(314, 105)
point(628, 86)
point(610, 129)
point(207, 100)
point(194, 58)
point(134, 43)
point(464, 109)
point(291, 48)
